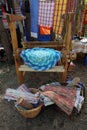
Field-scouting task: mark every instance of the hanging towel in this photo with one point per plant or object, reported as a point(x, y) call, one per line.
point(34, 18)
point(46, 11)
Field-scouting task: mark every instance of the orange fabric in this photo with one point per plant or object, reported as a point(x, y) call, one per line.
point(44, 30)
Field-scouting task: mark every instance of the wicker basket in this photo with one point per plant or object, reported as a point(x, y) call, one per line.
point(31, 113)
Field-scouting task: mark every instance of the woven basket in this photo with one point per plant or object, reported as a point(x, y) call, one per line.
point(31, 113)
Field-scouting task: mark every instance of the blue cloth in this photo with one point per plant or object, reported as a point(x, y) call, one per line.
point(43, 37)
point(40, 58)
point(34, 15)
point(85, 60)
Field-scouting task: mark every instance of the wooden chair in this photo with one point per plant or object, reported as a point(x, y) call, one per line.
point(64, 48)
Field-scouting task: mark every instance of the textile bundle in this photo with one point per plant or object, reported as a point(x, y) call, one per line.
point(64, 96)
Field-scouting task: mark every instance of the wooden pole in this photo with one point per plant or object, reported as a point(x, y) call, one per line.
point(11, 20)
point(67, 40)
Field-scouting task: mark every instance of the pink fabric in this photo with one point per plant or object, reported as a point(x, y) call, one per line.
point(64, 97)
point(46, 10)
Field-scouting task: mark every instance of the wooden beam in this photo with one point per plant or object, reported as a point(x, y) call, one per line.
point(67, 39)
point(48, 44)
point(13, 18)
point(54, 69)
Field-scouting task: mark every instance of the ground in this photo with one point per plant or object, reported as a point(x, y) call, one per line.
point(50, 118)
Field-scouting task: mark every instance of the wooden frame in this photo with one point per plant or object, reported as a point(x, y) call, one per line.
point(65, 48)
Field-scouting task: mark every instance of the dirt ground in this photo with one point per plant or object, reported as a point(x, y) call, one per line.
point(50, 118)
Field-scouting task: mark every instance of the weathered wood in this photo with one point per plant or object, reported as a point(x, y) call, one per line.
point(13, 18)
point(54, 69)
point(13, 36)
point(67, 40)
point(20, 75)
point(48, 44)
point(62, 68)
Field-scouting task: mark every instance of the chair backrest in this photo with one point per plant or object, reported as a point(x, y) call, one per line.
point(66, 41)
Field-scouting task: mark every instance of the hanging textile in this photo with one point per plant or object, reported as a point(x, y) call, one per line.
point(45, 19)
point(44, 30)
point(45, 16)
point(45, 37)
point(71, 6)
point(46, 11)
point(62, 7)
point(34, 18)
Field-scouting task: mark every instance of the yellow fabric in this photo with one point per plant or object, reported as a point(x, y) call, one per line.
point(85, 1)
point(60, 9)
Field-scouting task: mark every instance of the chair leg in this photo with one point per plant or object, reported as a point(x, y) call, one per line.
point(20, 76)
point(63, 77)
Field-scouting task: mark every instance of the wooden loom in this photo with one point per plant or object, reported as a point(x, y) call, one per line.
point(21, 67)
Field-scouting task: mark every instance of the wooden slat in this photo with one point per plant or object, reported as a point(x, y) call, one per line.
point(54, 69)
point(13, 18)
point(51, 44)
point(43, 42)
